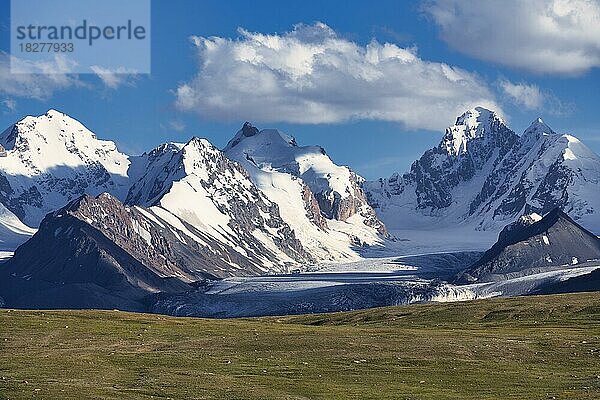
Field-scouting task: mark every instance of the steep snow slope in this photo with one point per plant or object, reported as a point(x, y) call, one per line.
point(13, 232)
point(195, 183)
point(321, 201)
point(52, 159)
point(483, 176)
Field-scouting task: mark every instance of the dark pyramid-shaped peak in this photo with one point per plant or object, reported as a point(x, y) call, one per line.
point(555, 240)
point(527, 227)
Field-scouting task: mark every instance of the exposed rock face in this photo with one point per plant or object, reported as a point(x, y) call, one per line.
point(77, 263)
point(479, 140)
point(544, 170)
point(485, 175)
point(170, 247)
point(313, 211)
point(533, 245)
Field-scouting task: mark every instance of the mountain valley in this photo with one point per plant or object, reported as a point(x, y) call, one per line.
point(188, 229)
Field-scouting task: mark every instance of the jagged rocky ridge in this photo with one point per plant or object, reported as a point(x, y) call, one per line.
point(484, 175)
point(206, 190)
point(534, 245)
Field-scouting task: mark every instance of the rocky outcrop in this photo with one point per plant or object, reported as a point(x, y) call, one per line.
point(313, 211)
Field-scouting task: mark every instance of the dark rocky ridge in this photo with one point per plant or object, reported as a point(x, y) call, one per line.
point(525, 247)
point(69, 263)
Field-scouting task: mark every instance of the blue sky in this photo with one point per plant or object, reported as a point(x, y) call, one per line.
point(549, 72)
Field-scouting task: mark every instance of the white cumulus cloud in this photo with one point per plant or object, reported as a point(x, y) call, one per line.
point(541, 36)
point(312, 75)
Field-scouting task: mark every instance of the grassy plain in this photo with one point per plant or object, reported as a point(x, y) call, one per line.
point(538, 347)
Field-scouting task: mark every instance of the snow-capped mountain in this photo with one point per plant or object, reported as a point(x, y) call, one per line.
point(543, 171)
point(146, 231)
point(194, 184)
point(323, 202)
point(483, 176)
point(266, 204)
point(52, 159)
point(48, 161)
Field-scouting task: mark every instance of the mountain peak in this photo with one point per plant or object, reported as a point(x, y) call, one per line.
point(52, 122)
point(476, 123)
point(538, 128)
point(530, 219)
point(199, 142)
point(247, 130)
point(270, 136)
point(530, 225)
point(53, 112)
point(476, 115)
